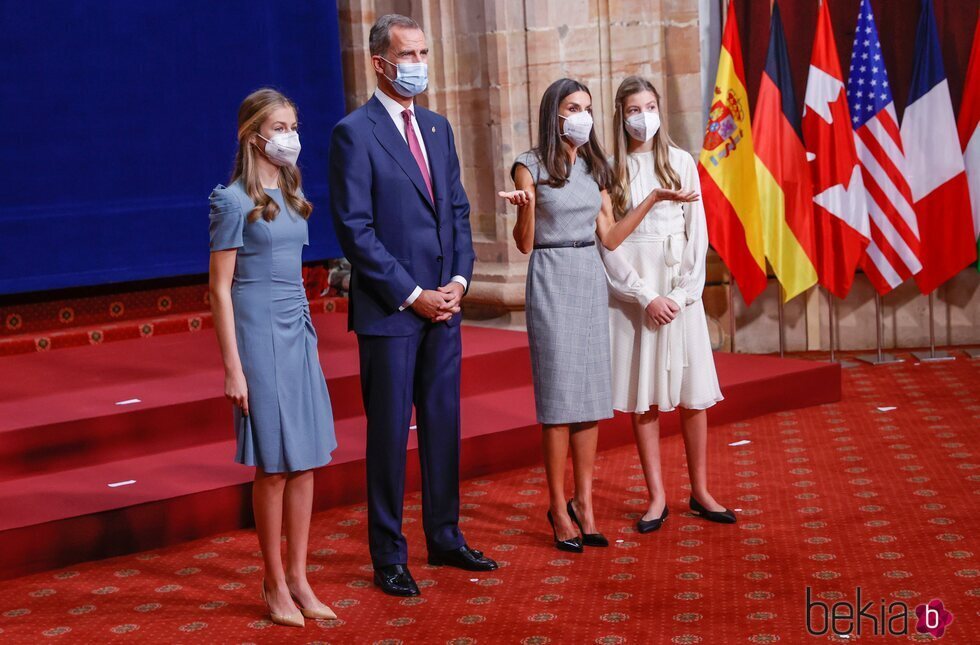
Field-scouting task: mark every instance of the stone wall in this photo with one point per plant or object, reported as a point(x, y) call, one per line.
point(490, 62)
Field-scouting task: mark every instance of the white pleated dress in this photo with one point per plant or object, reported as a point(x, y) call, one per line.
point(653, 366)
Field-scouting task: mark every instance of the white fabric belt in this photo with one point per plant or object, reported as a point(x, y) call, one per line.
point(676, 339)
point(673, 247)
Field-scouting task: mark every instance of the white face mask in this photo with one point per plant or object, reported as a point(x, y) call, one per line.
point(578, 127)
point(643, 126)
point(283, 148)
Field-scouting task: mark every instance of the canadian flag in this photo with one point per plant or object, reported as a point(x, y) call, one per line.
point(936, 173)
point(840, 210)
point(969, 126)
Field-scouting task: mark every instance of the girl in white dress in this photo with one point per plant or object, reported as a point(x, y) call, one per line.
point(661, 353)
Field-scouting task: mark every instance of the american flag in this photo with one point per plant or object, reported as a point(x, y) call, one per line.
point(893, 254)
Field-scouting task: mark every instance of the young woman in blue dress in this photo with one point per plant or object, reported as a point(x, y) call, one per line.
point(282, 413)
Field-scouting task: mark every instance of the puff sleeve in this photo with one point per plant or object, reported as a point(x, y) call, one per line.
point(227, 217)
point(690, 284)
point(624, 282)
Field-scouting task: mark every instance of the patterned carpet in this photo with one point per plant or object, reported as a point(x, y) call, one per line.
point(123, 311)
point(832, 498)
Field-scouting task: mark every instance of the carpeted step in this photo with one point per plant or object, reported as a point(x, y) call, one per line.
point(74, 421)
point(82, 406)
point(93, 511)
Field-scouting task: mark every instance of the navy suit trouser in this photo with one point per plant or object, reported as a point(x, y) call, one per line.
point(398, 372)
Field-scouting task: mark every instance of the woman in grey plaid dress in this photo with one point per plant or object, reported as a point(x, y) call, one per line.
point(562, 207)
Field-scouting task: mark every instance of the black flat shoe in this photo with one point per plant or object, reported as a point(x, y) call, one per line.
point(588, 539)
point(462, 558)
point(396, 580)
point(647, 526)
point(572, 545)
point(722, 517)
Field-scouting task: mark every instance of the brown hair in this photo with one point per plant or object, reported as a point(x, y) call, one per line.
point(252, 113)
point(620, 193)
point(550, 150)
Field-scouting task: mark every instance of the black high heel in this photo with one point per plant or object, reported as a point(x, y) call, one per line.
point(572, 545)
point(588, 539)
point(646, 526)
point(722, 517)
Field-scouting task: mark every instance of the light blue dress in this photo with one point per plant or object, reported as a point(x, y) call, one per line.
point(290, 423)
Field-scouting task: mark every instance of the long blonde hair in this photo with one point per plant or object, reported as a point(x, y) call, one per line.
point(668, 177)
point(252, 113)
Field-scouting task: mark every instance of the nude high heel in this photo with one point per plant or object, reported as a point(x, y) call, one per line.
point(323, 613)
point(292, 620)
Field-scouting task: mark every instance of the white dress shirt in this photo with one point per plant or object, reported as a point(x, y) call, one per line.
point(395, 110)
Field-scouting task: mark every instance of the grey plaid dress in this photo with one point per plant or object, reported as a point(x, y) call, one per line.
point(567, 301)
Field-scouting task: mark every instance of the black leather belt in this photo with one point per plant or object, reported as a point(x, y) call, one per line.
point(565, 245)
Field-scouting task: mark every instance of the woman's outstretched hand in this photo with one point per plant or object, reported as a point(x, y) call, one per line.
point(515, 197)
point(668, 195)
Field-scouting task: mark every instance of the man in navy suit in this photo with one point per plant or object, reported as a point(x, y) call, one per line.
point(402, 218)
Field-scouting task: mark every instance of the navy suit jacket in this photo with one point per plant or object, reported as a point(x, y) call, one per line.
point(394, 234)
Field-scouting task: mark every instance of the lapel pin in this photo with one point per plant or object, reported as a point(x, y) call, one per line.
point(433, 129)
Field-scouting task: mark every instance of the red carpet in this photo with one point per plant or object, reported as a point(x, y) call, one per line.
point(831, 497)
point(63, 438)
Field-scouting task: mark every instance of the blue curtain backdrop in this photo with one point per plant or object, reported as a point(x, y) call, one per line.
point(119, 117)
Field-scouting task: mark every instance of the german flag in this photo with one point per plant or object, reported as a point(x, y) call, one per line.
point(785, 187)
point(727, 170)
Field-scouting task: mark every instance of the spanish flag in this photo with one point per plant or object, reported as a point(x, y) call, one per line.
point(785, 188)
point(727, 170)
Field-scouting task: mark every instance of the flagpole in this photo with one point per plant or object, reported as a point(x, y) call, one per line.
point(782, 327)
point(731, 311)
point(932, 356)
point(834, 321)
point(831, 313)
point(879, 358)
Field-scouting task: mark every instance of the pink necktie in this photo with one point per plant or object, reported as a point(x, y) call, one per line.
point(413, 145)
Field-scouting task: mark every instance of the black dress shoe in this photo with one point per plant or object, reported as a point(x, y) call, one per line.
point(396, 580)
point(722, 517)
point(462, 558)
point(572, 545)
point(588, 539)
point(647, 526)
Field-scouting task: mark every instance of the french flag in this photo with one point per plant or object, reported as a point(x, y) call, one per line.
point(936, 173)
